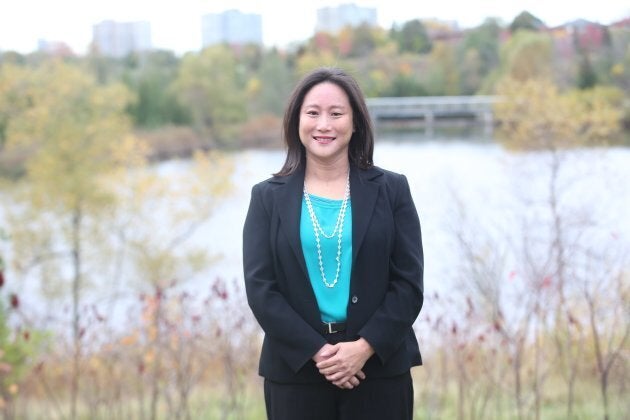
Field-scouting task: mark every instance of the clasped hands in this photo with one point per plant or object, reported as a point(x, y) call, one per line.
point(341, 363)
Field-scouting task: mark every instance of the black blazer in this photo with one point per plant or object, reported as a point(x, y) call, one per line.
point(386, 284)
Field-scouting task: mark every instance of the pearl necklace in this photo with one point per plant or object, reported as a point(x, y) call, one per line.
point(317, 229)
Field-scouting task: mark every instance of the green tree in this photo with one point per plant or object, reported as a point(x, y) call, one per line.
point(587, 78)
point(107, 69)
point(212, 86)
point(270, 86)
point(478, 54)
point(471, 72)
point(526, 21)
point(363, 40)
point(375, 73)
point(412, 37)
point(619, 72)
point(443, 75)
point(602, 56)
point(157, 103)
point(405, 85)
point(12, 57)
point(12, 100)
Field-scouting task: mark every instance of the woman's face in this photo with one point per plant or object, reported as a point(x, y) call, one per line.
point(326, 123)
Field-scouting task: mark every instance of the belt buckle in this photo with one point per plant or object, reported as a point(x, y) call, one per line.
point(330, 330)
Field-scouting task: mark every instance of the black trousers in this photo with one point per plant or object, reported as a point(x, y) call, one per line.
point(375, 398)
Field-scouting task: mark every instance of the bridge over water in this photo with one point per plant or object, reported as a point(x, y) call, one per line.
point(428, 109)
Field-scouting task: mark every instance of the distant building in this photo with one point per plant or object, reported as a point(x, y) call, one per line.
point(589, 36)
point(334, 19)
point(231, 27)
point(118, 39)
point(621, 24)
point(579, 35)
point(54, 48)
point(447, 31)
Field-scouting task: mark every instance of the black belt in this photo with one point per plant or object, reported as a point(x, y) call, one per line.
point(333, 327)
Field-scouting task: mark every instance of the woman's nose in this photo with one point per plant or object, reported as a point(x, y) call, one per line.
point(323, 123)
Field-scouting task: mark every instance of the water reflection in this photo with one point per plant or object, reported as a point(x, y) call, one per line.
point(463, 131)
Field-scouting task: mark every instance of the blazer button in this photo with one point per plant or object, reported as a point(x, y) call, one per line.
point(354, 299)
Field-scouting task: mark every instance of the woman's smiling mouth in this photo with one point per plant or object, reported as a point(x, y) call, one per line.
point(323, 139)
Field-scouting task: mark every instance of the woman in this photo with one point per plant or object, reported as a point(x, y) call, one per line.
point(333, 265)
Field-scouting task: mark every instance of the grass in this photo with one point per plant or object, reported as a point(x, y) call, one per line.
point(211, 402)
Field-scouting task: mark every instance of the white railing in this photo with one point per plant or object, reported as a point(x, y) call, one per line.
point(429, 108)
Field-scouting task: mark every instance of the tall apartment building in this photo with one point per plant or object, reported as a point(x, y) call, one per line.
point(232, 27)
point(118, 39)
point(334, 19)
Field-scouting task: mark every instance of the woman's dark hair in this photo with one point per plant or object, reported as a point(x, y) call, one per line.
point(361, 147)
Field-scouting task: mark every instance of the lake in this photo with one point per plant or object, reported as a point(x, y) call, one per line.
point(462, 183)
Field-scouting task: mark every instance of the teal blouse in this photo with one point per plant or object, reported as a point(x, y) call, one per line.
point(332, 301)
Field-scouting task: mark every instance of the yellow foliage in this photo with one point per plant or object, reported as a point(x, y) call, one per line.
point(378, 77)
point(161, 209)
point(95, 363)
point(131, 152)
point(13, 389)
point(149, 356)
point(152, 333)
point(534, 115)
point(174, 340)
point(617, 69)
point(211, 172)
point(254, 86)
point(129, 340)
point(527, 55)
point(309, 61)
point(405, 69)
point(376, 82)
point(68, 126)
point(443, 61)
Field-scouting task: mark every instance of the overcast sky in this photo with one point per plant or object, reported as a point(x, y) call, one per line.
point(176, 25)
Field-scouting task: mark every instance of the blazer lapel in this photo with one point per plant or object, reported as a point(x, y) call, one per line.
point(289, 204)
point(363, 193)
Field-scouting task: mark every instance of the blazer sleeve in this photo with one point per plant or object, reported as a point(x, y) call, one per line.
point(293, 338)
point(388, 327)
